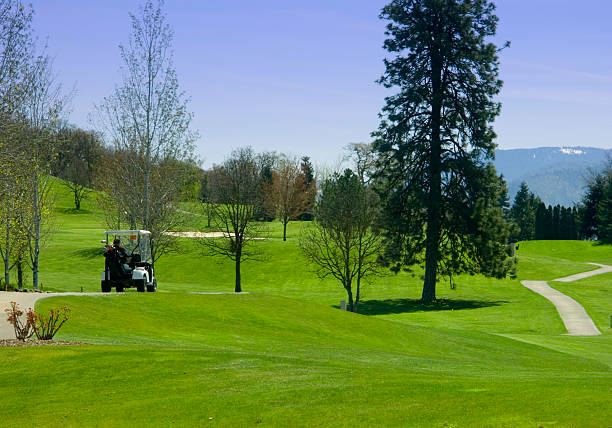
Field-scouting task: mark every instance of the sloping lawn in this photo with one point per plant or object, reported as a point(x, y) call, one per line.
point(246, 360)
point(488, 353)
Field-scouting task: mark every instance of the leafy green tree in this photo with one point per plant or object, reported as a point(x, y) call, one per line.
point(76, 161)
point(435, 137)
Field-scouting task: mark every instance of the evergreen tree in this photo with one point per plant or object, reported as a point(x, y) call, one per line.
point(556, 223)
point(540, 222)
point(604, 212)
point(589, 223)
point(549, 230)
point(503, 199)
point(566, 224)
point(523, 213)
point(575, 220)
point(309, 178)
point(435, 139)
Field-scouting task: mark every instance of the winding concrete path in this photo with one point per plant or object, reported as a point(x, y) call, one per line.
point(602, 269)
point(25, 301)
point(576, 320)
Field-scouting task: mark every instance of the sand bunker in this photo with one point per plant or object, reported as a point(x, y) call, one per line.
point(203, 235)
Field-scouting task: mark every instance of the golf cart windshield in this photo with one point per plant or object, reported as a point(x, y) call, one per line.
point(134, 242)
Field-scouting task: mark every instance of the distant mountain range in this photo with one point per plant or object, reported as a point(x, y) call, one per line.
point(558, 175)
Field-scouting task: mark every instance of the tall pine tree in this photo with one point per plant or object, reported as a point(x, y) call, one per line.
point(589, 221)
point(540, 221)
point(523, 213)
point(440, 197)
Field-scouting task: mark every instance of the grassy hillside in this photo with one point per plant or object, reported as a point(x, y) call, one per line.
point(246, 360)
point(489, 353)
point(72, 261)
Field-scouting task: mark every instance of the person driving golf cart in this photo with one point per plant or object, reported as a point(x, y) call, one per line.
point(131, 266)
point(117, 246)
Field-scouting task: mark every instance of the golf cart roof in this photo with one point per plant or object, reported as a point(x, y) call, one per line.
point(127, 232)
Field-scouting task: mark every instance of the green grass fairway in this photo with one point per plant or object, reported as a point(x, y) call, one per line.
point(490, 353)
point(245, 360)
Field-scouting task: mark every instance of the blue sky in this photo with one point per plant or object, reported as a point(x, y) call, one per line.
point(298, 76)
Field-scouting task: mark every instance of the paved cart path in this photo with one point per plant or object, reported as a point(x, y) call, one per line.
point(602, 269)
point(576, 320)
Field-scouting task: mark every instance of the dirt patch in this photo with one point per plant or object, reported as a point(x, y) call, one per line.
point(13, 343)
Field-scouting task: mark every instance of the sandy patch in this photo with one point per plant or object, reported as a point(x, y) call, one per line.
point(204, 235)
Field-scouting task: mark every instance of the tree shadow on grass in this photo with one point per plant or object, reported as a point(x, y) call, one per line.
point(73, 211)
point(402, 306)
point(90, 253)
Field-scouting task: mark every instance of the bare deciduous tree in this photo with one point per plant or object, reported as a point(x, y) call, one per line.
point(31, 104)
point(363, 157)
point(148, 124)
point(16, 49)
point(42, 107)
point(341, 242)
point(288, 195)
point(14, 180)
point(234, 188)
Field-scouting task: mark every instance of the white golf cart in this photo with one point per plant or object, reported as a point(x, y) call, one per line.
point(128, 261)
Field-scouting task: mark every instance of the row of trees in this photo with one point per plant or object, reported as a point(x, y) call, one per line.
point(286, 191)
point(439, 201)
point(31, 112)
point(141, 157)
point(534, 220)
point(248, 188)
point(341, 241)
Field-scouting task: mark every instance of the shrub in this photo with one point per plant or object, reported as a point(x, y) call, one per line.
point(46, 327)
point(43, 327)
point(22, 330)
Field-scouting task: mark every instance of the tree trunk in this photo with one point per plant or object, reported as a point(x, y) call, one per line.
point(435, 187)
point(285, 230)
point(7, 255)
point(349, 293)
point(238, 288)
point(37, 220)
point(145, 193)
point(358, 287)
point(77, 200)
point(19, 273)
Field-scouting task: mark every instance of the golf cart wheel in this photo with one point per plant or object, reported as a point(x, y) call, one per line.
point(119, 289)
point(106, 287)
point(140, 285)
point(153, 287)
